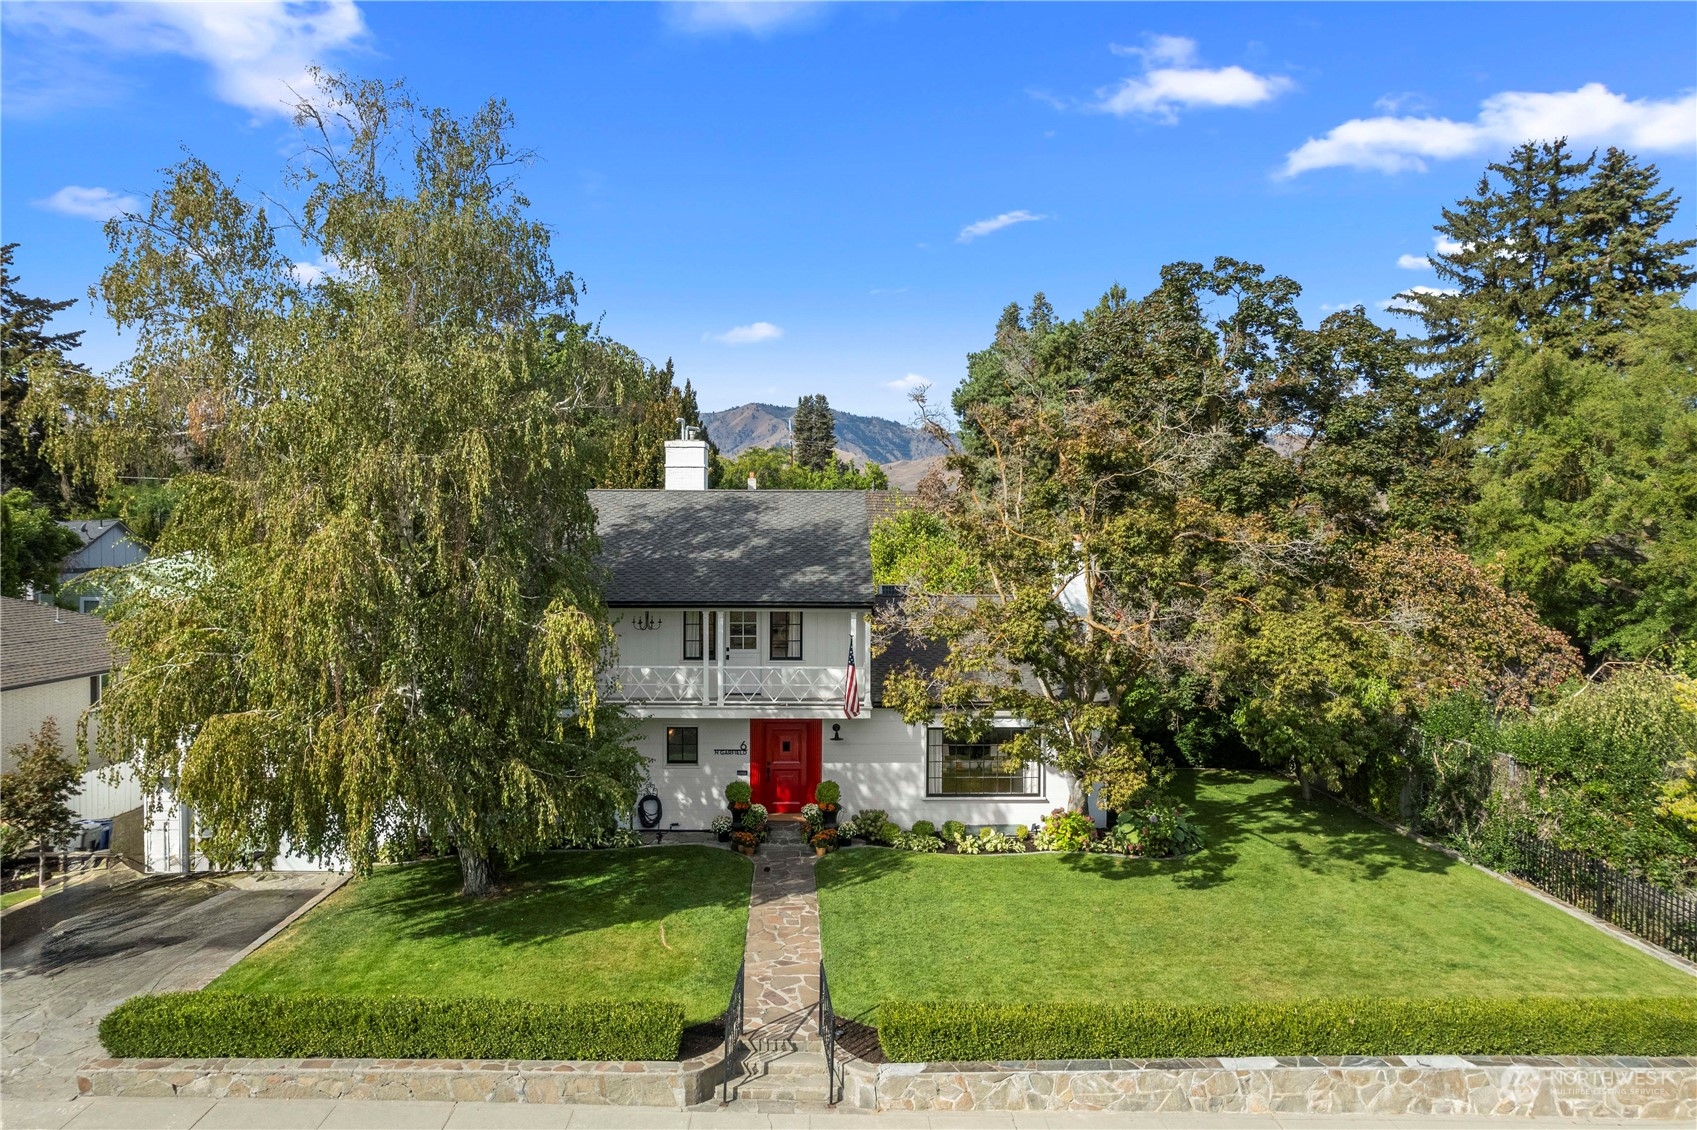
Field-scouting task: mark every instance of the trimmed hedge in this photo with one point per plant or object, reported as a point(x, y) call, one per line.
point(214, 1025)
point(957, 1031)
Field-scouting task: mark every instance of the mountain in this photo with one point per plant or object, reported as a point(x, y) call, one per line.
point(905, 453)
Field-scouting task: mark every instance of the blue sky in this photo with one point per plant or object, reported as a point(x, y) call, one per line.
point(841, 198)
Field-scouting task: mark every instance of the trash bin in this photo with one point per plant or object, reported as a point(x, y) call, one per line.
point(94, 835)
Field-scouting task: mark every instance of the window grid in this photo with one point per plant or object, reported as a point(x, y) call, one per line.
point(692, 635)
point(786, 635)
point(683, 745)
point(975, 769)
point(744, 631)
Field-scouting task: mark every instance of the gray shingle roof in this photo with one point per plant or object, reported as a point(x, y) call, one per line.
point(42, 644)
point(772, 548)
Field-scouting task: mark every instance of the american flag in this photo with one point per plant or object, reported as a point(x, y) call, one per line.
point(851, 692)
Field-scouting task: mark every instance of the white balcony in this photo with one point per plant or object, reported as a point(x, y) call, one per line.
point(693, 684)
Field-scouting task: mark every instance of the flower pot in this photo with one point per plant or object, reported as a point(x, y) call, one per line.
point(724, 837)
point(830, 816)
point(821, 852)
point(747, 849)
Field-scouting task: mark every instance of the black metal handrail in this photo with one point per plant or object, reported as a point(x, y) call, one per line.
point(828, 1032)
point(733, 1034)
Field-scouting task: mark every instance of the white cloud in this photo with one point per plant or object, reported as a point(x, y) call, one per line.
point(1413, 262)
point(908, 383)
point(257, 52)
point(996, 223)
point(1591, 114)
point(89, 203)
point(1447, 246)
point(1172, 81)
point(756, 17)
point(751, 334)
point(1400, 303)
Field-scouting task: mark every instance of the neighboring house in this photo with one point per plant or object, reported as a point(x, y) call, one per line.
point(735, 612)
point(106, 544)
point(53, 664)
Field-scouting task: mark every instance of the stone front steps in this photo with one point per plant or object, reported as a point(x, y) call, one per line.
point(796, 1076)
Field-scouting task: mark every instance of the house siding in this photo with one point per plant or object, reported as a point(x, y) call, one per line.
point(23, 709)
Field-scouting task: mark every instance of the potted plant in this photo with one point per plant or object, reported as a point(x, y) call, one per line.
point(814, 817)
point(754, 821)
point(823, 841)
point(722, 827)
point(826, 795)
point(737, 796)
point(747, 843)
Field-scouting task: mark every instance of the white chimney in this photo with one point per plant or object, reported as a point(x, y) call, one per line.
point(753, 483)
point(686, 460)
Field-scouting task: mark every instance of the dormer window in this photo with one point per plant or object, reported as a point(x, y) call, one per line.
point(786, 635)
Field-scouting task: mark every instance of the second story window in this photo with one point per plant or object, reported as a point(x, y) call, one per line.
point(692, 635)
point(786, 635)
point(744, 630)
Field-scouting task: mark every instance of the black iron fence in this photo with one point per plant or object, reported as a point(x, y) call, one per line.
point(1651, 912)
point(733, 1035)
point(828, 1034)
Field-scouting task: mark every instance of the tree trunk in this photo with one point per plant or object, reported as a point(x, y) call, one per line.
point(1307, 786)
point(41, 871)
point(477, 874)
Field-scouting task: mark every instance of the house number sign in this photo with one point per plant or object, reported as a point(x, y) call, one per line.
point(739, 751)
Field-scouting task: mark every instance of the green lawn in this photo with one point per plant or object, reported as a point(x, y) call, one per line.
point(662, 923)
point(23, 894)
point(1289, 899)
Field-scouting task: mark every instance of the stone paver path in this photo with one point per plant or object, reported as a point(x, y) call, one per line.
point(781, 990)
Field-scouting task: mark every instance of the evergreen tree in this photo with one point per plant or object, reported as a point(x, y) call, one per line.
point(1553, 250)
point(813, 433)
point(27, 347)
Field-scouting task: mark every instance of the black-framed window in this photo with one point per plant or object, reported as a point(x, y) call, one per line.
point(692, 635)
point(743, 628)
point(683, 745)
point(977, 768)
point(96, 687)
point(786, 635)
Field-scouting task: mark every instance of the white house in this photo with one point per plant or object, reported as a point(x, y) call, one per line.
point(735, 613)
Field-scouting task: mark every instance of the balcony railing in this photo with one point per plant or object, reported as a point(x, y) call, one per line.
point(692, 684)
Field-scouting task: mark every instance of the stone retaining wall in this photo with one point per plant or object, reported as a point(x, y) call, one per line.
point(665, 1084)
point(1578, 1086)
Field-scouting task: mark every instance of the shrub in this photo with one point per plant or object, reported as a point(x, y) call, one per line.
point(754, 820)
point(868, 822)
point(924, 828)
point(1021, 832)
point(827, 793)
point(913, 841)
point(979, 1030)
point(889, 832)
point(1065, 831)
point(813, 815)
point(953, 830)
point(206, 1025)
point(739, 792)
point(721, 823)
point(988, 841)
point(1159, 828)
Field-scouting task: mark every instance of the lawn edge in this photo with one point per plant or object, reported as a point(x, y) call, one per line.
point(1651, 949)
point(293, 916)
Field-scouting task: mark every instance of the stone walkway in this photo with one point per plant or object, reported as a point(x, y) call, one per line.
point(781, 990)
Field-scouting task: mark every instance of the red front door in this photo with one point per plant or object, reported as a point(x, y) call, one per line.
point(784, 763)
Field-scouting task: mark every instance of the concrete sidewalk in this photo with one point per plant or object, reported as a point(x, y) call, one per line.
point(310, 1114)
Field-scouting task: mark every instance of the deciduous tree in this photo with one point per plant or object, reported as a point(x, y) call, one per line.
point(374, 604)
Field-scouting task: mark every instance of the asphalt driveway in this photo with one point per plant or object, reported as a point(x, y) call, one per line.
point(148, 936)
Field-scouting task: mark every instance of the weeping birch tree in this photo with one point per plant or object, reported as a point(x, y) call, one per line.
point(375, 605)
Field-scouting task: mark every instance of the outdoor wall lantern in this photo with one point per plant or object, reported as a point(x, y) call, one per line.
point(836, 731)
